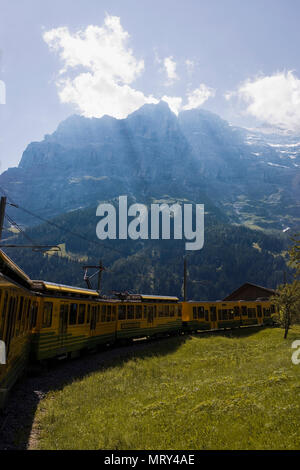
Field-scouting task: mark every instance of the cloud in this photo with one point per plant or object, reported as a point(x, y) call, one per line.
point(189, 65)
point(174, 102)
point(273, 99)
point(198, 96)
point(104, 69)
point(194, 99)
point(98, 71)
point(170, 66)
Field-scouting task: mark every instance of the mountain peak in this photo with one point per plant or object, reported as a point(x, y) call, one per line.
point(152, 109)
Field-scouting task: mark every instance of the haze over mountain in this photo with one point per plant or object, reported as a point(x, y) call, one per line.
point(248, 177)
point(242, 177)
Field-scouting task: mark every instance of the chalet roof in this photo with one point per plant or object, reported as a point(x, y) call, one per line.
point(242, 288)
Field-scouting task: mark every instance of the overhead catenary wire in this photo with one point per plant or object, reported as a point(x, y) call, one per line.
point(12, 222)
point(63, 229)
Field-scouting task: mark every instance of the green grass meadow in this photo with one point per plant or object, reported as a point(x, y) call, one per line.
point(234, 390)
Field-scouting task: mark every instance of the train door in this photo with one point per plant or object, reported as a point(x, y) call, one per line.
point(259, 314)
point(10, 323)
point(93, 319)
point(150, 315)
point(213, 317)
point(237, 315)
point(63, 323)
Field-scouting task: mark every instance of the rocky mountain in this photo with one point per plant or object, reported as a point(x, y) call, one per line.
point(251, 174)
point(240, 175)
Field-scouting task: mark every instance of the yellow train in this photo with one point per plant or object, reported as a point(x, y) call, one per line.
point(42, 320)
point(16, 314)
point(71, 319)
point(230, 314)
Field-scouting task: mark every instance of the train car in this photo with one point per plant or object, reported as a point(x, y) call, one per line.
point(148, 315)
point(17, 311)
point(68, 320)
point(231, 314)
point(71, 319)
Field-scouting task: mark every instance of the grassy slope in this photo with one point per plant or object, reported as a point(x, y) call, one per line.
point(238, 390)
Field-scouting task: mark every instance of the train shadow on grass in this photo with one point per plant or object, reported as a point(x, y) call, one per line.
point(17, 418)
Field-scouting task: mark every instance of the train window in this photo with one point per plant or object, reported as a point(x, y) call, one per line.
point(172, 308)
point(20, 308)
point(103, 313)
point(150, 314)
point(88, 314)
point(3, 314)
point(154, 311)
point(267, 312)
point(179, 310)
point(224, 314)
point(28, 325)
point(160, 311)
point(47, 314)
point(12, 313)
point(206, 315)
point(244, 310)
point(108, 313)
point(236, 310)
point(73, 314)
point(34, 310)
point(16, 303)
point(145, 311)
point(24, 326)
point(98, 313)
point(23, 316)
point(9, 324)
point(17, 323)
point(230, 313)
point(122, 312)
point(213, 313)
point(138, 312)
point(81, 314)
point(272, 308)
point(93, 317)
point(194, 313)
point(113, 313)
point(130, 312)
point(251, 313)
point(201, 312)
point(166, 311)
point(259, 311)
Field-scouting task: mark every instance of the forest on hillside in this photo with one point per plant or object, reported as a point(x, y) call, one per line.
point(232, 255)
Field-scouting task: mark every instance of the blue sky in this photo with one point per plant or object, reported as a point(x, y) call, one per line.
point(238, 58)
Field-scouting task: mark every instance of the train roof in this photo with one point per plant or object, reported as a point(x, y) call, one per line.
point(11, 274)
point(163, 298)
point(55, 288)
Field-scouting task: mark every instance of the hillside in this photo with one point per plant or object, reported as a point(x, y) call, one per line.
point(231, 256)
point(234, 390)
